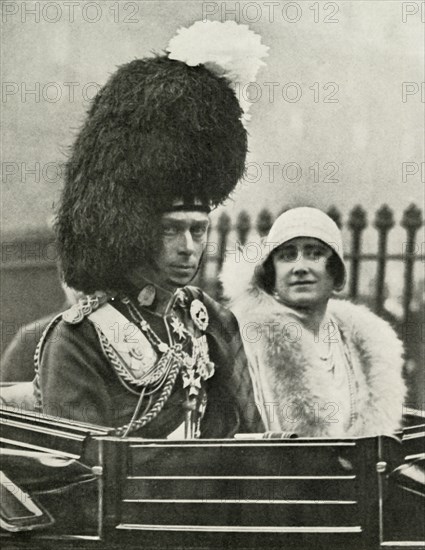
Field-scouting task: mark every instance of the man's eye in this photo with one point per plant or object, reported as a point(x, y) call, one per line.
point(169, 230)
point(198, 231)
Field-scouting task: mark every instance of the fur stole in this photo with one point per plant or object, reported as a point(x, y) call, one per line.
point(286, 370)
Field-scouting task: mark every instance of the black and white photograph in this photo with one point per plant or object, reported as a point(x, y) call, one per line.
point(212, 274)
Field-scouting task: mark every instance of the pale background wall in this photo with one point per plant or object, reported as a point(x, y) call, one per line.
point(367, 52)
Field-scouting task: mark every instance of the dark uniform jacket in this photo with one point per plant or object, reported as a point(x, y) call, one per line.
point(77, 381)
point(17, 361)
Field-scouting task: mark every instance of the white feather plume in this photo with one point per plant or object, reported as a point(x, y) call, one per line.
point(226, 49)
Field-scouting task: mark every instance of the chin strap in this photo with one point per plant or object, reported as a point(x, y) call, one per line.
point(201, 259)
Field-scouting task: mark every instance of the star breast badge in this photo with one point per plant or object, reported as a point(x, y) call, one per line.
point(178, 328)
point(199, 314)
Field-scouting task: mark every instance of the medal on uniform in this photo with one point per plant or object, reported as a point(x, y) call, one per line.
point(205, 366)
point(197, 368)
point(199, 314)
point(178, 328)
point(146, 296)
point(192, 380)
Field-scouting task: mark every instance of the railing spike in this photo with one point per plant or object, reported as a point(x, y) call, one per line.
point(412, 217)
point(264, 222)
point(224, 224)
point(357, 222)
point(335, 215)
point(384, 218)
point(411, 221)
point(243, 226)
point(358, 218)
point(384, 221)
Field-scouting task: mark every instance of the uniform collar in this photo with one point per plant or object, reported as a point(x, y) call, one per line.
point(154, 298)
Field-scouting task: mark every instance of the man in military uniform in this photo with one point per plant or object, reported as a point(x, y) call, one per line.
point(143, 352)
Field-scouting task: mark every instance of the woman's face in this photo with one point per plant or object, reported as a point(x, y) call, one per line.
point(301, 277)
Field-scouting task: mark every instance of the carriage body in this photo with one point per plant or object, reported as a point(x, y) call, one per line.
point(97, 491)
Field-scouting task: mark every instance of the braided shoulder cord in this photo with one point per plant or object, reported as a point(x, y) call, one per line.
point(114, 359)
point(164, 395)
point(37, 356)
point(156, 409)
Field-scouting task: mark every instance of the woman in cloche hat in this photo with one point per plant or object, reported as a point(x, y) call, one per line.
point(320, 366)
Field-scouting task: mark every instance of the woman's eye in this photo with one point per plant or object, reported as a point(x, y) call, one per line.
point(287, 254)
point(316, 253)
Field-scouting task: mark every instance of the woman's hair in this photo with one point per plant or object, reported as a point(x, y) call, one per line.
point(266, 277)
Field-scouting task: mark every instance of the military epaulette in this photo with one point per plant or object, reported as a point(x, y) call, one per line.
point(126, 347)
point(84, 307)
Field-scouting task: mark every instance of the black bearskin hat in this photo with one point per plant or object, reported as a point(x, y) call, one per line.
point(158, 131)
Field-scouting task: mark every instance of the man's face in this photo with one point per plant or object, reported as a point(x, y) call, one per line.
point(301, 276)
point(184, 236)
